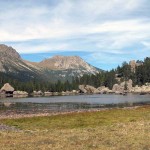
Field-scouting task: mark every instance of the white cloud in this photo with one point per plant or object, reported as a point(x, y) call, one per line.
point(110, 35)
point(66, 19)
point(146, 44)
point(66, 25)
point(27, 49)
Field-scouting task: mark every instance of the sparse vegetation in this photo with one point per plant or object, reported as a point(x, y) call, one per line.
point(109, 129)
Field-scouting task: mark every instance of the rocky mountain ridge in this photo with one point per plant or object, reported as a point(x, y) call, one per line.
point(57, 67)
point(73, 64)
point(10, 60)
point(66, 62)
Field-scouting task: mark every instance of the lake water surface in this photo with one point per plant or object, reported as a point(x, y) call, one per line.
point(67, 103)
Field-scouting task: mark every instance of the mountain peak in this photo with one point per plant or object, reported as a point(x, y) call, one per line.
point(57, 67)
point(66, 62)
point(6, 51)
point(10, 60)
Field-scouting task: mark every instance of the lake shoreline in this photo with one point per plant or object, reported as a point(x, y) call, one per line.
point(13, 115)
point(115, 128)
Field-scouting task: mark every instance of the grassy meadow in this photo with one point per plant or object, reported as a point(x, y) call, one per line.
point(114, 129)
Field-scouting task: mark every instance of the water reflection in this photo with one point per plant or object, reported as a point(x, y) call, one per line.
point(70, 103)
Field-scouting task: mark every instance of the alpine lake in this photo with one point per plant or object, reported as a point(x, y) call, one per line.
point(71, 103)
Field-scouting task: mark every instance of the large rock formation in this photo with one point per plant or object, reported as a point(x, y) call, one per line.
point(120, 88)
point(144, 89)
point(93, 90)
point(7, 89)
point(104, 90)
point(125, 86)
point(88, 89)
point(117, 89)
point(134, 64)
point(82, 89)
point(20, 93)
point(35, 93)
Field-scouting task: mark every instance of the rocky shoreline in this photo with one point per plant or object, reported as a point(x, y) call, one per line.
point(15, 115)
point(121, 88)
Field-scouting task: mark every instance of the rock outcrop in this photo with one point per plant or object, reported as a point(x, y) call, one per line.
point(20, 93)
point(7, 89)
point(145, 89)
point(36, 93)
point(134, 64)
point(91, 89)
point(82, 89)
point(125, 86)
point(48, 93)
point(88, 89)
point(118, 89)
point(104, 90)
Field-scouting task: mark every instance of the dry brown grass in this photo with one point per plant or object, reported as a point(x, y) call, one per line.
point(123, 130)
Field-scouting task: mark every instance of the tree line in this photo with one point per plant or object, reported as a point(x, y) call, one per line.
point(140, 76)
point(105, 78)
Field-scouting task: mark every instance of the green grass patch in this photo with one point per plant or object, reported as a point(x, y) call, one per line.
point(80, 120)
point(118, 129)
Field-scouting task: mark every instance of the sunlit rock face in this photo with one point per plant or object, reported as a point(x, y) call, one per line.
point(56, 68)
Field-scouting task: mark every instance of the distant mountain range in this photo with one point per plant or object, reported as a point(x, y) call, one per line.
point(52, 69)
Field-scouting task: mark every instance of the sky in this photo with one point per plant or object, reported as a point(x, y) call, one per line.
point(104, 33)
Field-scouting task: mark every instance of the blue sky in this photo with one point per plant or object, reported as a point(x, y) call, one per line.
point(104, 33)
